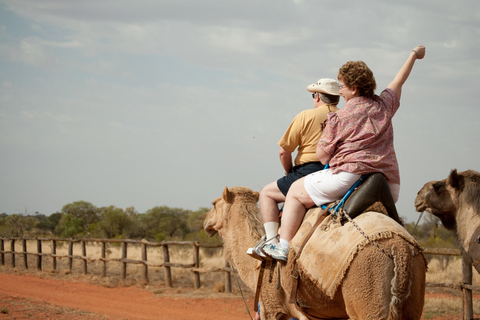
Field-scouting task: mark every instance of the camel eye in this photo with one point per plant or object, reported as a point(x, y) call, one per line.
point(437, 186)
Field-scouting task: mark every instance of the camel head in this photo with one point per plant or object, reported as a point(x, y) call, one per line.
point(443, 198)
point(217, 218)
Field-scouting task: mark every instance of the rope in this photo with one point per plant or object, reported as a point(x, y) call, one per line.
point(419, 218)
point(241, 292)
point(365, 236)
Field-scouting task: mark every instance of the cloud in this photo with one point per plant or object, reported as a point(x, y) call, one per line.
point(164, 103)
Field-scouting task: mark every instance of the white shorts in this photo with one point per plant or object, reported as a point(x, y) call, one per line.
point(324, 187)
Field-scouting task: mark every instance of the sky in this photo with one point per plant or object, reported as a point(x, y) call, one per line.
point(164, 103)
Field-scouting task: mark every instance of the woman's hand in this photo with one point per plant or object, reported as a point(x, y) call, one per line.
point(420, 51)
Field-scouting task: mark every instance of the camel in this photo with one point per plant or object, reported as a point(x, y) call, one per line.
point(375, 286)
point(456, 201)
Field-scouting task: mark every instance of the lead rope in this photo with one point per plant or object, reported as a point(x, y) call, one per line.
point(419, 218)
point(241, 292)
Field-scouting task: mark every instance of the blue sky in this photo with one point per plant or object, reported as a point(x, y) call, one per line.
point(152, 103)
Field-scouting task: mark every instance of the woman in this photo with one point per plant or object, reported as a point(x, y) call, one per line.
point(357, 140)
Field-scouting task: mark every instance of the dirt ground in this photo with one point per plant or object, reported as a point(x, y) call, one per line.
point(31, 297)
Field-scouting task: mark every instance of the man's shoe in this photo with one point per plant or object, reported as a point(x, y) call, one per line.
point(256, 253)
point(276, 251)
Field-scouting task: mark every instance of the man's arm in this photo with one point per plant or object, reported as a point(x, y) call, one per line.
point(286, 160)
point(404, 72)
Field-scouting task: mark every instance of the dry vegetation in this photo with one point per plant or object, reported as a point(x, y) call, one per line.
point(441, 269)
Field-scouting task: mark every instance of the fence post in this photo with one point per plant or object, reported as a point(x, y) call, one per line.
point(25, 258)
point(2, 254)
point(104, 268)
point(12, 248)
point(228, 278)
point(124, 257)
point(54, 252)
point(467, 293)
point(39, 251)
point(70, 253)
point(84, 255)
point(166, 261)
point(144, 259)
point(196, 261)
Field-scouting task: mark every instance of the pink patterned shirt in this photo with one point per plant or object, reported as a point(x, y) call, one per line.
point(360, 136)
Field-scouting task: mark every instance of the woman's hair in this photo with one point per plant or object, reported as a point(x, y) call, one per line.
point(357, 74)
point(329, 98)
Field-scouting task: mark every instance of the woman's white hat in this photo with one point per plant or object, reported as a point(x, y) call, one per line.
point(325, 85)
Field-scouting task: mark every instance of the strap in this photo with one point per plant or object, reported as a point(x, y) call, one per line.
point(336, 208)
point(259, 285)
point(295, 271)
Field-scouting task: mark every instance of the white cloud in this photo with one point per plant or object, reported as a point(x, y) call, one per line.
point(173, 100)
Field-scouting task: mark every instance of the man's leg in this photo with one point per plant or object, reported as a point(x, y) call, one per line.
point(269, 199)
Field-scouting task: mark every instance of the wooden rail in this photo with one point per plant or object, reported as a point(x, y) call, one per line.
point(167, 265)
point(466, 286)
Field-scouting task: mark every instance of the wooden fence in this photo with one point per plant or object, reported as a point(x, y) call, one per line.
point(466, 286)
point(167, 265)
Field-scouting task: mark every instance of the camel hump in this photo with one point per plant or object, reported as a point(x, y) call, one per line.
point(373, 191)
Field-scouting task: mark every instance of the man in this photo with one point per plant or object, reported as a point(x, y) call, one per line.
point(303, 135)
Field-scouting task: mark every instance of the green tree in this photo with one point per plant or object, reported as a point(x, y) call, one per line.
point(163, 222)
point(48, 223)
point(15, 225)
point(78, 219)
point(115, 222)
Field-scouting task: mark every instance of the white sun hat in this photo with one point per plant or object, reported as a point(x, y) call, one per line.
point(325, 85)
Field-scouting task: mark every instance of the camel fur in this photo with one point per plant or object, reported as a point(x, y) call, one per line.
point(375, 286)
point(456, 201)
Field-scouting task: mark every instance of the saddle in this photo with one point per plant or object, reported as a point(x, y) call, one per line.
point(372, 193)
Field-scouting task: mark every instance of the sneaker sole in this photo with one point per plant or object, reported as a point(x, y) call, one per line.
point(280, 258)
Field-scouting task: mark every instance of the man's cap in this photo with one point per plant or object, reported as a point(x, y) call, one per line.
point(325, 85)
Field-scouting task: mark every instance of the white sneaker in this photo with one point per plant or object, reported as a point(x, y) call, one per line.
point(276, 251)
point(256, 252)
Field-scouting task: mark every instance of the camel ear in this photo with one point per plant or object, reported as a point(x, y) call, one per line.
point(227, 195)
point(455, 180)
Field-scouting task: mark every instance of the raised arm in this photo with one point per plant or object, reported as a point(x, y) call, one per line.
point(404, 72)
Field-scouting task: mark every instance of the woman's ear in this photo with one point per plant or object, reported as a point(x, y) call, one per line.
point(355, 91)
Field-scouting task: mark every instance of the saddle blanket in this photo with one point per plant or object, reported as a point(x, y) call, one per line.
point(332, 247)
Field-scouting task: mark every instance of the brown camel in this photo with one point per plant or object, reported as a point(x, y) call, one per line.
point(375, 286)
point(456, 201)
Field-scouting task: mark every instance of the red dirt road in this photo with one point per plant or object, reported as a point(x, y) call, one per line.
point(28, 297)
point(95, 302)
